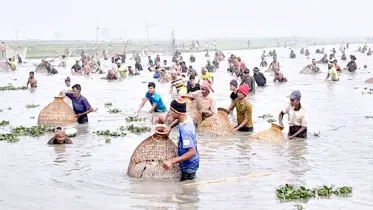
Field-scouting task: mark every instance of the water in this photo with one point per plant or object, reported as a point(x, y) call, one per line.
point(91, 174)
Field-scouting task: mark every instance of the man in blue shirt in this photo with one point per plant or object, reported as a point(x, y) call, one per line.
point(188, 156)
point(81, 105)
point(154, 98)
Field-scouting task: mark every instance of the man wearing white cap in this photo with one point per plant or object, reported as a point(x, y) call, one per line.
point(297, 117)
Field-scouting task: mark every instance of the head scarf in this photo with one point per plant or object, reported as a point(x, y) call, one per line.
point(207, 85)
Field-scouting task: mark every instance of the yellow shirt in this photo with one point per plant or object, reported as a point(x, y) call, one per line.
point(333, 74)
point(206, 76)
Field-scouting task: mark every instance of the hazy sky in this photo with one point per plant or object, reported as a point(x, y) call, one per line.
point(44, 19)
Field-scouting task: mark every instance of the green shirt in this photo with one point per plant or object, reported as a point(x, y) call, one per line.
point(243, 110)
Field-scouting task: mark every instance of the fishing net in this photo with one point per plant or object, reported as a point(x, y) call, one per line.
point(13, 52)
point(148, 158)
point(272, 135)
point(369, 80)
point(57, 113)
point(219, 124)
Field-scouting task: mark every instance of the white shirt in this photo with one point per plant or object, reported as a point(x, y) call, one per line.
point(297, 118)
point(114, 66)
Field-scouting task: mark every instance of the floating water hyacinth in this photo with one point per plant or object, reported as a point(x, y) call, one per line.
point(34, 131)
point(135, 119)
point(31, 106)
point(4, 122)
point(136, 129)
point(11, 87)
point(114, 111)
point(109, 133)
point(108, 104)
point(291, 192)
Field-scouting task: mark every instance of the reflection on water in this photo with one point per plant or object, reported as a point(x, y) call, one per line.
point(91, 174)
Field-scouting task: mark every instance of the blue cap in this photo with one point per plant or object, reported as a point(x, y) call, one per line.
point(295, 95)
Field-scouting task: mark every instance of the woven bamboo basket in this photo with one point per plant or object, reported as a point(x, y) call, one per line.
point(369, 80)
point(57, 113)
point(219, 124)
point(272, 135)
point(148, 158)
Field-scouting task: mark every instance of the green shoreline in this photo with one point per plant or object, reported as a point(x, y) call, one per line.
point(44, 49)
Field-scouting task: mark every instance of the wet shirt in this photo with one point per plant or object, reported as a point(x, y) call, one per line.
point(333, 74)
point(260, 78)
point(156, 99)
point(188, 139)
point(233, 96)
point(210, 68)
point(206, 76)
point(193, 89)
point(296, 118)
point(80, 105)
point(351, 66)
point(177, 83)
point(243, 110)
point(76, 67)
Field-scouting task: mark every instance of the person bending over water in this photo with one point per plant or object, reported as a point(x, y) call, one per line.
point(188, 157)
point(154, 98)
point(243, 109)
point(332, 72)
point(313, 66)
point(263, 63)
point(297, 116)
point(352, 66)
point(279, 77)
point(259, 77)
point(81, 105)
point(275, 65)
point(248, 80)
point(292, 54)
point(205, 101)
point(31, 80)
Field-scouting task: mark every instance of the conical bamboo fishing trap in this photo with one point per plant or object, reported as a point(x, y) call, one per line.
point(219, 124)
point(148, 158)
point(272, 135)
point(57, 113)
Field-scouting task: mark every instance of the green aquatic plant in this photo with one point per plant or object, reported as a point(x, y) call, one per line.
point(1, 110)
point(108, 104)
point(10, 137)
point(11, 87)
point(266, 116)
point(9, 108)
point(34, 131)
point(109, 133)
point(135, 119)
point(291, 192)
point(32, 117)
point(136, 129)
point(31, 106)
point(271, 120)
point(107, 140)
point(4, 122)
point(114, 110)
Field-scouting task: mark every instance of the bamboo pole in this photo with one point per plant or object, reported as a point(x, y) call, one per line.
point(230, 178)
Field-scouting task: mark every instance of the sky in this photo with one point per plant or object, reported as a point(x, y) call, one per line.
point(191, 19)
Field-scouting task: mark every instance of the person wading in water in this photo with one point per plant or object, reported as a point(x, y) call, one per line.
point(31, 80)
point(81, 105)
point(297, 116)
point(188, 156)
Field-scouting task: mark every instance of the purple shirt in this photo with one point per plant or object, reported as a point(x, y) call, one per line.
point(80, 105)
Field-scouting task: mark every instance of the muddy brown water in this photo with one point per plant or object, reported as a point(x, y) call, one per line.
point(91, 174)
